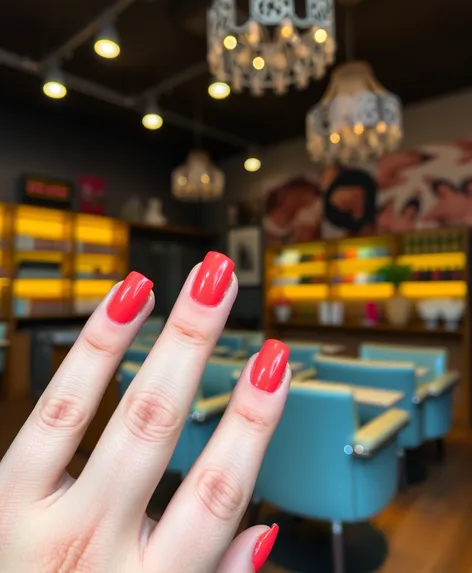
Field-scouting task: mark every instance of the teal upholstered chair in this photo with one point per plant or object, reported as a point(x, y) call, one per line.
point(397, 376)
point(438, 409)
point(137, 352)
point(220, 376)
point(234, 343)
point(321, 464)
point(150, 330)
point(204, 416)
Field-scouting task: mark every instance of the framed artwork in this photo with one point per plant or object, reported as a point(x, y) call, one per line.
point(244, 247)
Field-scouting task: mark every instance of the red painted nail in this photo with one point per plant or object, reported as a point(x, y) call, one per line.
point(130, 298)
point(264, 546)
point(269, 366)
point(212, 279)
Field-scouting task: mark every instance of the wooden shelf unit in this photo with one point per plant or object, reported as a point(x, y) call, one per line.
point(345, 270)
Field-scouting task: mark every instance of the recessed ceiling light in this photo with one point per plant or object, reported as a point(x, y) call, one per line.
point(219, 90)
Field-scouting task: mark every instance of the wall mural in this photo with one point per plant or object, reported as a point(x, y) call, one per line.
point(428, 187)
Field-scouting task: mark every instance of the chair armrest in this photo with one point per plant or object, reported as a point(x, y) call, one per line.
point(239, 353)
point(221, 350)
point(443, 384)
point(421, 393)
point(374, 435)
point(308, 374)
point(207, 408)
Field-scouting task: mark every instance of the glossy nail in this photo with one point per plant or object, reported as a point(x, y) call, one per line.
point(130, 298)
point(213, 279)
point(269, 366)
point(264, 546)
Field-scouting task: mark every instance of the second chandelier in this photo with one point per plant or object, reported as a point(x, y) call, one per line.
point(274, 48)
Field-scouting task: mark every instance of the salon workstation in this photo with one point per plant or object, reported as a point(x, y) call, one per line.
point(332, 163)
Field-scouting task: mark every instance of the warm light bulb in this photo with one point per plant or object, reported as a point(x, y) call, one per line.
point(230, 42)
point(55, 90)
point(252, 164)
point(320, 36)
point(152, 121)
point(334, 138)
point(219, 90)
point(381, 127)
point(107, 48)
point(286, 30)
point(205, 178)
point(258, 63)
point(182, 180)
point(358, 129)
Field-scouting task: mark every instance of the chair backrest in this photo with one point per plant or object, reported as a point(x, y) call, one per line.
point(306, 470)
point(238, 340)
point(304, 352)
point(398, 376)
point(432, 359)
point(137, 353)
point(153, 325)
point(220, 376)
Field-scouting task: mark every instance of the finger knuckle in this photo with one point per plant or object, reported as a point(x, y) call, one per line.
point(220, 493)
point(62, 412)
point(151, 417)
point(189, 334)
point(94, 343)
point(252, 420)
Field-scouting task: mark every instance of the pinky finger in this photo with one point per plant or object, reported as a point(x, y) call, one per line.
point(249, 551)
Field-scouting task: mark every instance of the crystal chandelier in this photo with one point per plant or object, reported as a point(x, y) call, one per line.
point(274, 48)
point(198, 179)
point(356, 120)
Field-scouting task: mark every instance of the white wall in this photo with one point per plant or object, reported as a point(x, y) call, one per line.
point(431, 121)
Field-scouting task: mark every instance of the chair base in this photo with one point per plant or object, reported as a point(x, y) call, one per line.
point(305, 546)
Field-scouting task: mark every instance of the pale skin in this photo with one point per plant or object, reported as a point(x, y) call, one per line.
point(50, 523)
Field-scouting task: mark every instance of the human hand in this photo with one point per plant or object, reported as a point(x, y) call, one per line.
point(50, 523)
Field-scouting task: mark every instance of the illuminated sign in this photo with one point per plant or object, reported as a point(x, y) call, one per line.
point(38, 190)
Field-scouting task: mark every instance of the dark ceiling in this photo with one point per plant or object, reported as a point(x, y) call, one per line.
point(418, 48)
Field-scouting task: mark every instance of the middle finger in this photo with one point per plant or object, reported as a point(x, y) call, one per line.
point(137, 444)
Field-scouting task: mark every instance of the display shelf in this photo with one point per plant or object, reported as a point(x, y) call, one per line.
point(312, 324)
point(436, 260)
point(434, 289)
point(377, 291)
point(361, 265)
point(317, 268)
point(298, 292)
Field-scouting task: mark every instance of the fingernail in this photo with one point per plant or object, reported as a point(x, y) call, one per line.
point(212, 280)
point(269, 366)
point(264, 546)
point(130, 298)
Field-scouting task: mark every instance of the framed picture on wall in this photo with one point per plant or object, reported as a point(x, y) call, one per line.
point(244, 247)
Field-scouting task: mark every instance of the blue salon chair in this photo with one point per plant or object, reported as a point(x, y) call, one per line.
point(202, 421)
point(234, 343)
point(399, 376)
point(320, 464)
point(431, 365)
point(150, 330)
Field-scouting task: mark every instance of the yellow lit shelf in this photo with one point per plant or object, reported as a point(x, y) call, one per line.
point(377, 291)
point(41, 223)
point(301, 269)
point(342, 266)
point(46, 256)
point(436, 289)
point(302, 248)
point(41, 288)
point(98, 230)
point(438, 260)
point(299, 292)
point(84, 288)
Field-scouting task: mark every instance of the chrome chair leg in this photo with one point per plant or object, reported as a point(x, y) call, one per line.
point(338, 547)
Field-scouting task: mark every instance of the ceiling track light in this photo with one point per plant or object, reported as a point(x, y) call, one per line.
point(54, 85)
point(252, 162)
point(152, 118)
point(107, 44)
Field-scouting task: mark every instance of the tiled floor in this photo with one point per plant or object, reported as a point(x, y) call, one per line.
point(427, 528)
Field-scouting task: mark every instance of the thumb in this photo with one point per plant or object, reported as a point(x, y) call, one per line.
point(249, 551)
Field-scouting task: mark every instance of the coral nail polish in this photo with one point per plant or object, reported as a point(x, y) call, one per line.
point(213, 279)
point(269, 366)
point(264, 546)
point(130, 298)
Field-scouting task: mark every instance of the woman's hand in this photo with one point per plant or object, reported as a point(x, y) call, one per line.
point(97, 524)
